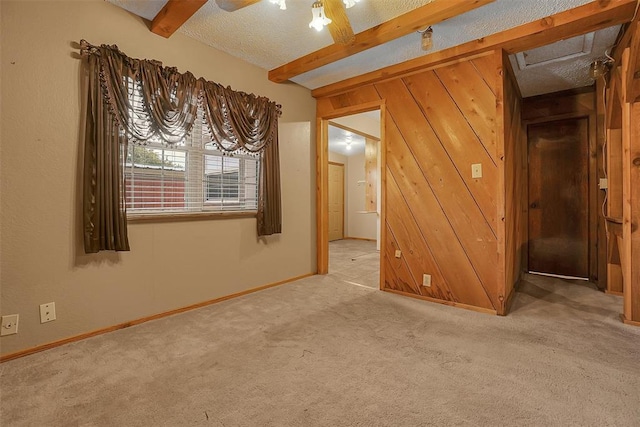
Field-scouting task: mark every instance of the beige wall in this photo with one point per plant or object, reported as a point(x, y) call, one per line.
point(171, 265)
point(337, 158)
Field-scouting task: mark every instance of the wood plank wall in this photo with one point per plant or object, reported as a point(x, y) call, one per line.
point(515, 182)
point(613, 135)
point(601, 132)
point(445, 223)
point(371, 175)
point(632, 212)
point(630, 247)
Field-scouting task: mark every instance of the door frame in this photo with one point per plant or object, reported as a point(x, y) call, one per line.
point(322, 180)
point(594, 274)
point(343, 194)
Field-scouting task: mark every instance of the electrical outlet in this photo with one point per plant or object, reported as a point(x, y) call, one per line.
point(398, 253)
point(476, 170)
point(9, 325)
point(47, 312)
point(426, 280)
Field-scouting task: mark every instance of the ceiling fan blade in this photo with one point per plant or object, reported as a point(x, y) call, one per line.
point(340, 27)
point(231, 5)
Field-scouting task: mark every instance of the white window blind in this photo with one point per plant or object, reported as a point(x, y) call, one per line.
point(183, 179)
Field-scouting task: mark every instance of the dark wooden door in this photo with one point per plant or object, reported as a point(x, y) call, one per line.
point(559, 197)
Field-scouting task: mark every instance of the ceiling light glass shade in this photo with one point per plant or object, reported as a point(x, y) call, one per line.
point(281, 3)
point(427, 39)
point(350, 3)
point(597, 68)
point(319, 18)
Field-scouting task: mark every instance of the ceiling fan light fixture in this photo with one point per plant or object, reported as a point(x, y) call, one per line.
point(281, 3)
point(319, 18)
point(350, 3)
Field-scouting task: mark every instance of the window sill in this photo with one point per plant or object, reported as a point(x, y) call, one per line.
point(188, 216)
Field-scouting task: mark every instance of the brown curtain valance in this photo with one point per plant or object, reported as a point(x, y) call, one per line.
point(168, 104)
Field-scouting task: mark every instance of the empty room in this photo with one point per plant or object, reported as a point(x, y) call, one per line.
point(319, 213)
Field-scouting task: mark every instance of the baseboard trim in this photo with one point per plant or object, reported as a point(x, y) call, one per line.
point(508, 303)
point(439, 301)
point(616, 293)
point(124, 325)
point(511, 297)
point(359, 238)
point(629, 322)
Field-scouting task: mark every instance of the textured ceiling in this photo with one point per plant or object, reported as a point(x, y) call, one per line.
point(344, 142)
point(561, 65)
point(367, 123)
point(266, 36)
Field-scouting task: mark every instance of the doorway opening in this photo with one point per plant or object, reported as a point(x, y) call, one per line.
point(349, 219)
point(564, 201)
point(559, 198)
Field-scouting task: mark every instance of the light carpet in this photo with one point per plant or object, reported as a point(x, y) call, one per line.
point(322, 352)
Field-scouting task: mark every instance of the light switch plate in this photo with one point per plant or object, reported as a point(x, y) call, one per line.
point(398, 253)
point(476, 170)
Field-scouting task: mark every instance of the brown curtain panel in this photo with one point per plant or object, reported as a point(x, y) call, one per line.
point(104, 211)
point(269, 211)
point(236, 122)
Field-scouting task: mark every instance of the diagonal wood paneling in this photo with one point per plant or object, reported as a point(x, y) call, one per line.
point(459, 140)
point(486, 66)
point(407, 179)
point(437, 124)
point(439, 170)
point(400, 275)
point(417, 254)
point(476, 100)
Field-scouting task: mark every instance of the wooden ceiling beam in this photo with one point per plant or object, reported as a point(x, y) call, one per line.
point(340, 27)
point(173, 15)
point(402, 25)
point(352, 130)
point(574, 22)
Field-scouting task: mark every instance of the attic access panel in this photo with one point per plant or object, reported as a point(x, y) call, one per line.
point(559, 51)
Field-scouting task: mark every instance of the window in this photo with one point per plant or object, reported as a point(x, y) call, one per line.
point(231, 181)
point(186, 177)
point(189, 177)
point(171, 120)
